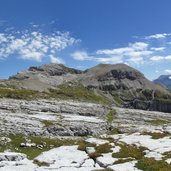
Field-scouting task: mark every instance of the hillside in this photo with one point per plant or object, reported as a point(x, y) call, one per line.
point(118, 85)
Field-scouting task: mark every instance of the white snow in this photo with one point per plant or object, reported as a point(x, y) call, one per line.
point(128, 166)
point(96, 141)
point(67, 157)
point(156, 146)
point(72, 117)
point(106, 159)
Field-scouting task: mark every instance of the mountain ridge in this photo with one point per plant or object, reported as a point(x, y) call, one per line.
point(120, 84)
point(164, 80)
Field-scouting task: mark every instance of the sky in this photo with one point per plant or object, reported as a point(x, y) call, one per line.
point(84, 33)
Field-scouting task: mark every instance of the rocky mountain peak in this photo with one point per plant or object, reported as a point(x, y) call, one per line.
point(115, 71)
point(164, 80)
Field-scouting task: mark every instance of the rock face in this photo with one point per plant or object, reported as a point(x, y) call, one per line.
point(128, 87)
point(44, 77)
point(164, 80)
point(120, 84)
point(51, 118)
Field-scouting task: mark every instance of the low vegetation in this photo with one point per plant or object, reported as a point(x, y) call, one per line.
point(114, 131)
point(75, 92)
point(119, 161)
point(103, 148)
point(150, 164)
point(39, 163)
point(158, 122)
point(130, 151)
point(155, 135)
point(110, 116)
point(32, 152)
point(83, 145)
point(47, 123)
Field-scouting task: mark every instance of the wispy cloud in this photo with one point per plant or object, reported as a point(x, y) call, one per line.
point(158, 36)
point(136, 53)
point(133, 53)
point(34, 45)
point(167, 71)
point(55, 59)
point(160, 58)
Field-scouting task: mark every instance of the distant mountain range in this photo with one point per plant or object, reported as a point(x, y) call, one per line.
point(117, 84)
point(164, 80)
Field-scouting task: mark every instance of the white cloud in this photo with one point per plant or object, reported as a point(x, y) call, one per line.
point(136, 60)
point(54, 59)
point(168, 57)
point(33, 45)
point(109, 60)
point(138, 45)
point(156, 58)
point(81, 56)
point(133, 47)
point(133, 53)
point(159, 58)
point(158, 36)
point(168, 71)
point(160, 49)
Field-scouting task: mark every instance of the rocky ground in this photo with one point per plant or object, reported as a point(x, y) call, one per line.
point(70, 135)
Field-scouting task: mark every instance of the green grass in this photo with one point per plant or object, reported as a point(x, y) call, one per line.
point(155, 135)
point(103, 148)
point(39, 163)
point(76, 93)
point(130, 151)
point(83, 145)
point(166, 155)
point(33, 152)
point(110, 116)
point(150, 164)
point(19, 94)
point(117, 99)
point(47, 123)
point(158, 122)
point(119, 161)
point(114, 131)
point(103, 170)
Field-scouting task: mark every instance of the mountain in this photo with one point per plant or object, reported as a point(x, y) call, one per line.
point(164, 80)
point(118, 84)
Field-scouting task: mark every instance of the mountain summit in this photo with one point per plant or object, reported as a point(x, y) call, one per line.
point(164, 80)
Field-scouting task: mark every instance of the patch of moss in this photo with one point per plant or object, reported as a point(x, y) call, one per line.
point(150, 164)
point(158, 122)
point(83, 145)
point(39, 163)
point(19, 94)
point(114, 131)
point(117, 99)
point(33, 152)
point(103, 148)
point(106, 169)
point(166, 155)
point(110, 116)
point(94, 155)
point(47, 123)
point(76, 92)
point(155, 135)
point(119, 161)
point(130, 151)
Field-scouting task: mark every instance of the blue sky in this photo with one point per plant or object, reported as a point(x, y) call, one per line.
point(81, 34)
